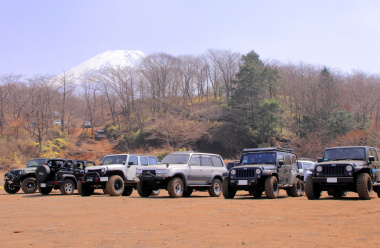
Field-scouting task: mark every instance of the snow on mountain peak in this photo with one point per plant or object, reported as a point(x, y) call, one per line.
point(113, 58)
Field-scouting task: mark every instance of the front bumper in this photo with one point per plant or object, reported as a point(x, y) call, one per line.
point(244, 183)
point(333, 180)
point(51, 184)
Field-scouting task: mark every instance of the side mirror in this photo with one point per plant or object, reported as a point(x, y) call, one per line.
point(371, 159)
point(320, 160)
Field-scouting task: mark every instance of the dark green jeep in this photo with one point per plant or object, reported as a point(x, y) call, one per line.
point(24, 178)
point(343, 169)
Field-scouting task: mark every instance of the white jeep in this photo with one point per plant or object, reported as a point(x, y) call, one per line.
point(115, 174)
point(182, 172)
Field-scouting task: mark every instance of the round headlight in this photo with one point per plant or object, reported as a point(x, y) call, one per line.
point(258, 171)
point(319, 168)
point(349, 168)
point(233, 172)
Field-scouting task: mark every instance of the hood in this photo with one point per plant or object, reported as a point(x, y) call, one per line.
point(99, 167)
point(354, 162)
point(266, 166)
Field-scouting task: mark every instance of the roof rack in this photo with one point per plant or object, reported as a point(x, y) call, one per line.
point(279, 149)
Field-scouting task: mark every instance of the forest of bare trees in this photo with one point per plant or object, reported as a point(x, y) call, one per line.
point(220, 101)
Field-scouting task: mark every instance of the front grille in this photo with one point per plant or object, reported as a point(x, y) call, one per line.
point(94, 173)
point(149, 172)
point(245, 173)
point(336, 170)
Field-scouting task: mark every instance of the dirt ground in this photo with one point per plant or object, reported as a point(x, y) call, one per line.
point(198, 221)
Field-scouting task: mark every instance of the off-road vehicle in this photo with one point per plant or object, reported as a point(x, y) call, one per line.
point(23, 178)
point(342, 169)
point(100, 134)
point(182, 172)
point(61, 174)
point(115, 174)
point(264, 170)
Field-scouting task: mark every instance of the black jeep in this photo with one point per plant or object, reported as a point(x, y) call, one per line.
point(264, 170)
point(342, 169)
point(61, 174)
point(24, 178)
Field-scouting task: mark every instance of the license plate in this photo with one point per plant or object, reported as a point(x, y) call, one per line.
point(243, 182)
point(103, 179)
point(332, 180)
point(43, 185)
point(89, 179)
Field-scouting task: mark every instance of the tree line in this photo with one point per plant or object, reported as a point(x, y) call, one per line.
point(220, 101)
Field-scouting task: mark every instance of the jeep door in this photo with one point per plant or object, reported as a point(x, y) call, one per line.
point(133, 162)
point(195, 172)
point(281, 169)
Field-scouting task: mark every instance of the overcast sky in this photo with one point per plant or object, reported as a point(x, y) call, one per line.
point(52, 36)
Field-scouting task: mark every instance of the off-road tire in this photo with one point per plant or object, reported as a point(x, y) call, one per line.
point(215, 190)
point(67, 187)
point(29, 185)
point(45, 190)
point(144, 190)
point(229, 192)
point(257, 193)
point(188, 192)
point(127, 191)
point(42, 173)
point(84, 190)
point(312, 191)
point(296, 190)
point(378, 192)
point(364, 186)
point(105, 191)
point(271, 187)
point(115, 185)
point(175, 187)
point(9, 189)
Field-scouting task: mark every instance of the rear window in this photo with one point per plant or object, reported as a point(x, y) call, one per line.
point(217, 161)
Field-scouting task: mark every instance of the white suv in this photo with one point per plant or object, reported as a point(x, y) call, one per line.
point(115, 174)
point(182, 172)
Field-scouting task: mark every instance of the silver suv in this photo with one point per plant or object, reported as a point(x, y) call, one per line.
point(115, 174)
point(182, 172)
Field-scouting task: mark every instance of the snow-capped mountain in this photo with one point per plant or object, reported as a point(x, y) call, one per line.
point(115, 58)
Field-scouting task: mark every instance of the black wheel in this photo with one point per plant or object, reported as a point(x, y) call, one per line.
point(271, 187)
point(127, 191)
point(378, 192)
point(143, 189)
point(84, 190)
point(364, 186)
point(29, 185)
point(296, 190)
point(115, 185)
point(215, 190)
point(44, 190)
point(229, 192)
point(42, 173)
point(257, 193)
point(175, 187)
point(10, 189)
point(67, 187)
point(312, 191)
point(188, 192)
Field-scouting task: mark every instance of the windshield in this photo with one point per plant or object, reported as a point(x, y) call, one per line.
point(114, 159)
point(344, 154)
point(258, 158)
point(35, 162)
point(176, 159)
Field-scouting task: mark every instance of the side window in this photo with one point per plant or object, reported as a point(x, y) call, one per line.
point(294, 160)
point(144, 161)
point(80, 165)
point(374, 153)
point(217, 161)
point(287, 160)
point(153, 161)
point(134, 160)
point(280, 157)
point(206, 161)
point(89, 164)
point(196, 159)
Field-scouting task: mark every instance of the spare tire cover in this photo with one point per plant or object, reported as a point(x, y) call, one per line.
point(42, 173)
